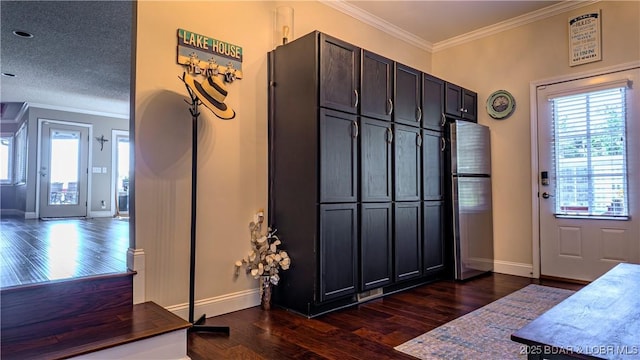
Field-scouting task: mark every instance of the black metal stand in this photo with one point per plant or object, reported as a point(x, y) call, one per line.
point(197, 326)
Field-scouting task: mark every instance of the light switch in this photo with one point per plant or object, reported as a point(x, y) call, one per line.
point(95, 170)
point(104, 170)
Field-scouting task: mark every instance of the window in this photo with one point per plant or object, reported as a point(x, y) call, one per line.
point(6, 157)
point(589, 153)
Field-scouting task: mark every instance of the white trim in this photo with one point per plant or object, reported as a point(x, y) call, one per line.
point(30, 215)
point(513, 268)
point(136, 262)
point(19, 114)
point(99, 214)
point(378, 23)
point(114, 167)
point(169, 346)
point(401, 34)
point(535, 170)
point(219, 305)
point(515, 22)
point(78, 111)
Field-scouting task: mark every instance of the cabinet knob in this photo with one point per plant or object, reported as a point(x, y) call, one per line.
point(419, 114)
point(418, 140)
point(355, 129)
point(443, 121)
point(389, 135)
point(443, 144)
point(357, 97)
point(461, 109)
point(390, 107)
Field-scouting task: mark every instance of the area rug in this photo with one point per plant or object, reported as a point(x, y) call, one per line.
point(486, 332)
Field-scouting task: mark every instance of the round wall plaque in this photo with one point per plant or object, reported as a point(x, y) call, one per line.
point(501, 104)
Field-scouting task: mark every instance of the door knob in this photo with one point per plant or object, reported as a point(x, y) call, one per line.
point(546, 195)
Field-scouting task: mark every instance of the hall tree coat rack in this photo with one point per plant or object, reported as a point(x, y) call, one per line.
point(198, 325)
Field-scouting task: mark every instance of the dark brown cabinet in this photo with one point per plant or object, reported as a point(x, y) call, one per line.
point(433, 117)
point(376, 86)
point(338, 157)
point(376, 161)
point(339, 74)
point(338, 249)
point(407, 146)
point(375, 245)
point(433, 238)
point(407, 240)
point(355, 173)
point(407, 95)
point(460, 103)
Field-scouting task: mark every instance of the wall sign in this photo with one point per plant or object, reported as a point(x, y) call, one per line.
point(585, 39)
point(205, 55)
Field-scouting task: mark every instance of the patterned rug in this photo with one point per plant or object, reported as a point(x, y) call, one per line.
point(486, 332)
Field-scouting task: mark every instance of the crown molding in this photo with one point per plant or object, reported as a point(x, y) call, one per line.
point(517, 21)
point(79, 111)
point(378, 23)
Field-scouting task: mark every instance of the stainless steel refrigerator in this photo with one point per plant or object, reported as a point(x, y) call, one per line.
point(472, 219)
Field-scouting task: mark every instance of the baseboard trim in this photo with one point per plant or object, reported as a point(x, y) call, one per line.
point(12, 212)
point(513, 268)
point(30, 215)
point(99, 214)
point(219, 305)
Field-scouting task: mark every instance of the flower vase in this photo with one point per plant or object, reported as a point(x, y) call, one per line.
point(265, 291)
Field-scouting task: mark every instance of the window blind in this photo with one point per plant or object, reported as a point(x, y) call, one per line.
point(589, 153)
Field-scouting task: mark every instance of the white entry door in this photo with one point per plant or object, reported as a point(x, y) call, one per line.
point(63, 170)
point(589, 181)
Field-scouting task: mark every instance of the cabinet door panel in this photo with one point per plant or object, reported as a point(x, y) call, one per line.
point(470, 105)
point(408, 240)
point(339, 74)
point(338, 246)
point(407, 153)
point(433, 238)
point(338, 157)
point(432, 163)
point(407, 97)
point(376, 85)
point(375, 160)
point(453, 100)
point(375, 245)
point(432, 103)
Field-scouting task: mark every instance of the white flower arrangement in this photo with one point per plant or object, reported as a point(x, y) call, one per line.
point(264, 259)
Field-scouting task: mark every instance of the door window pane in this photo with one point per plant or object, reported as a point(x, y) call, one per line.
point(65, 159)
point(589, 152)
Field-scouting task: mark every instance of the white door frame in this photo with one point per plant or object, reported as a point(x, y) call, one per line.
point(533, 101)
point(114, 166)
point(41, 122)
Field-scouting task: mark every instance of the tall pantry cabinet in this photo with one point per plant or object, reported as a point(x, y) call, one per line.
point(346, 174)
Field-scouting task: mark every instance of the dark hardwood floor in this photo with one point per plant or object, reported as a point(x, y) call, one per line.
point(34, 251)
point(368, 331)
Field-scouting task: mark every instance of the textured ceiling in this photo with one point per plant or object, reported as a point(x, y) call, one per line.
point(80, 54)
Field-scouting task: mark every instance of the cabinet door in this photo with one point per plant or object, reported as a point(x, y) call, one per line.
point(453, 100)
point(408, 157)
point(339, 74)
point(432, 103)
point(376, 86)
point(338, 157)
point(375, 245)
point(432, 165)
point(375, 160)
point(407, 97)
point(338, 250)
point(433, 238)
point(408, 240)
point(470, 105)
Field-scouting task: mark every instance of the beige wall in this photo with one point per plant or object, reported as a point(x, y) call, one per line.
point(232, 166)
point(511, 60)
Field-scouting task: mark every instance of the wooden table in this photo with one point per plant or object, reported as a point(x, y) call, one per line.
point(601, 321)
